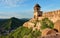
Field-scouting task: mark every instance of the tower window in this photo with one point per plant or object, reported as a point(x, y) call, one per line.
point(34, 16)
point(39, 15)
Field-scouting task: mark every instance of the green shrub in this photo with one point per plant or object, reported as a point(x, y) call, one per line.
point(46, 23)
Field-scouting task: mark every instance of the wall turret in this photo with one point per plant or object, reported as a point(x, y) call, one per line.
point(37, 11)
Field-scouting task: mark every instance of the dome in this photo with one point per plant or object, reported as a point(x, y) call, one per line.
point(37, 5)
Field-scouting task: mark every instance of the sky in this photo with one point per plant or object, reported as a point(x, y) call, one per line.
point(24, 8)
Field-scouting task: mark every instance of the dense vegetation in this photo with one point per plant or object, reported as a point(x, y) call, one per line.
point(23, 32)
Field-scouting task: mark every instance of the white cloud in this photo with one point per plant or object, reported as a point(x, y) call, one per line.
point(11, 3)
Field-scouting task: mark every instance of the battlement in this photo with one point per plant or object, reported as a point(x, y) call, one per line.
point(52, 13)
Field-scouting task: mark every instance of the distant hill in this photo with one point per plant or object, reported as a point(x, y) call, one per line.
point(7, 25)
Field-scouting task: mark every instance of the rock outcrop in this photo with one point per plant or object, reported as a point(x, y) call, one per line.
point(51, 36)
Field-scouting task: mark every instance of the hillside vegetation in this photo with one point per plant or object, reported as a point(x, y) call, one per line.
point(18, 31)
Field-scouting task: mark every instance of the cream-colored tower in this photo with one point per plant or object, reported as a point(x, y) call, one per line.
point(37, 12)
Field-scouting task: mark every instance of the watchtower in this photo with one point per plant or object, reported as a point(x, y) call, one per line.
point(37, 11)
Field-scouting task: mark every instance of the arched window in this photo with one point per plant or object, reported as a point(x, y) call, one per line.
point(39, 13)
point(56, 30)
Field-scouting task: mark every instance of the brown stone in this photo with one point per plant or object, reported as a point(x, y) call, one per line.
point(57, 25)
point(48, 31)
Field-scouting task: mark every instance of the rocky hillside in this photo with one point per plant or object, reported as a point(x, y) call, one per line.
point(47, 20)
point(52, 15)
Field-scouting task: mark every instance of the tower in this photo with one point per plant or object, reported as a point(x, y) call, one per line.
point(37, 12)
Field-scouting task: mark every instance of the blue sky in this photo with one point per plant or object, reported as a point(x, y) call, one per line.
point(24, 8)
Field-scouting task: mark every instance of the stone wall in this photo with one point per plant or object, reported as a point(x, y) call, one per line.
point(52, 15)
